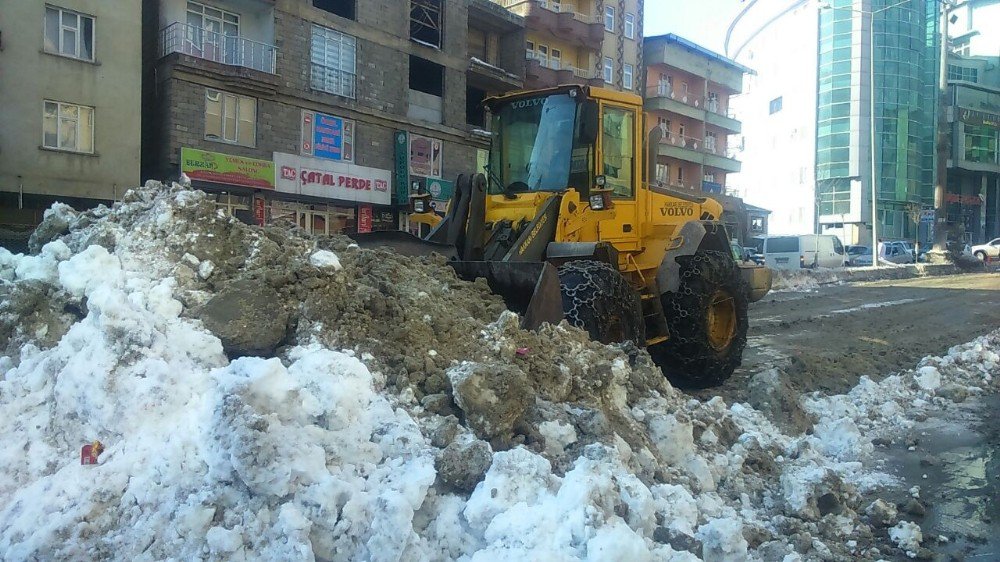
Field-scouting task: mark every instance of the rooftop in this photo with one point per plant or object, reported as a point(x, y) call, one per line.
point(678, 40)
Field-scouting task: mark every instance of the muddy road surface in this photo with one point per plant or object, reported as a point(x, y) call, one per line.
point(826, 339)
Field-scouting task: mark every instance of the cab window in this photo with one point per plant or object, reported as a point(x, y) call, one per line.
point(617, 148)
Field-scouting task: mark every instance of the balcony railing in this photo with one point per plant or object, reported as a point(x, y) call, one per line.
point(558, 65)
point(209, 45)
point(665, 91)
point(706, 145)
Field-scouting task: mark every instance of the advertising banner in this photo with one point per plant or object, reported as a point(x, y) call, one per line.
point(332, 180)
point(425, 156)
point(402, 171)
point(364, 219)
point(227, 169)
point(327, 136)
point(259, 211)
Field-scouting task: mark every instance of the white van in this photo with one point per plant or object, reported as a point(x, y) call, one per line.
point(805, 250)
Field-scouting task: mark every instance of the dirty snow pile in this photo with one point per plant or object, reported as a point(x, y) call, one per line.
point(802, 279)
point(263, 394)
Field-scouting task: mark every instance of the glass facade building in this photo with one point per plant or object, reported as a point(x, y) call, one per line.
point(905, 57)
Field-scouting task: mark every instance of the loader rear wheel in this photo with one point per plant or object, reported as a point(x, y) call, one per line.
point(597, 299)
point(707, 319)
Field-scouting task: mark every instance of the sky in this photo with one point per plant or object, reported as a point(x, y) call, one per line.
point(702, 21)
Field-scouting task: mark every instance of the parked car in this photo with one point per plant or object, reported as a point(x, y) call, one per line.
point(891, 252)
point(804, 250)
point(856, 252)
point(989, 250)
point(908, 248)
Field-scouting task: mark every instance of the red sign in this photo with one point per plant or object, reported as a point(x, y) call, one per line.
point(963, 199)
point(364, 219)
point(258, 210)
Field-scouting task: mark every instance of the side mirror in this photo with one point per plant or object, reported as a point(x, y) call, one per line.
point(590, 122)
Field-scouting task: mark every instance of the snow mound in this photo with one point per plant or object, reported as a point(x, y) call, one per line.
point(397, 414)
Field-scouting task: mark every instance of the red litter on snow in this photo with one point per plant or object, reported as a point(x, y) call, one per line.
point(90, 452)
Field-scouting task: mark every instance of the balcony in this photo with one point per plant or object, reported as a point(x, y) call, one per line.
point(544, 73)
point(492, 78)
point(722, 118)
point(708, 152)
point(559, 19)
point(663, 98)
point(231, 50)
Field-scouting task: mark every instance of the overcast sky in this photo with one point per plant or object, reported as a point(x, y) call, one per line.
point(701, 21)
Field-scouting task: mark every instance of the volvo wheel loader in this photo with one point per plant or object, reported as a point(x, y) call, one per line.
point(564, 224)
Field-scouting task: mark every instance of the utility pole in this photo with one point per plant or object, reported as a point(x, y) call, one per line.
point(943, 138)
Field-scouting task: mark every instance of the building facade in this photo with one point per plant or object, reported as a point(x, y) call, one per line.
point(816, 60)
point(690, 122)
point(778, 39)
point(905, 59)
point(70, 98)
point(975, 31)
point(326, 113)
point(972, 197)
point(594, 42)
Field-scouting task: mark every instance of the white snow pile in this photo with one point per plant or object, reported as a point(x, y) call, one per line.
point(318, 453)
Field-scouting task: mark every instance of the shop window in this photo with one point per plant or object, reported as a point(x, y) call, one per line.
point(617, 149)
point(230, 118)
point(426, 22)
point(69, 127)
point(342, 8)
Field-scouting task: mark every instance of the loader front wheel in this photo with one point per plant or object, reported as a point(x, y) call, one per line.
point(707, 320)
point(597, 299)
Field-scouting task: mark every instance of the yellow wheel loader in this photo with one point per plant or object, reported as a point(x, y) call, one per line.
point(565, 225)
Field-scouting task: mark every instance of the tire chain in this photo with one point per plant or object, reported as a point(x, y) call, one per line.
point(584, 295)
point(693, 269)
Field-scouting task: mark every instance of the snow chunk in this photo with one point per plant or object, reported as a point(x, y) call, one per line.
point(722, 541)
point(325, 259)
point(44, 266)
point(907, 536)
point(90, 269)
point(928, 378)
point(557, 436)
point(222, 541)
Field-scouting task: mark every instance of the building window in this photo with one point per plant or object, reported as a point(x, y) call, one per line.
point(980, 144)
point(609, 18)
point(627, 76)
point(69, 34)
point(230, 118)
point(543, 55)
point(66, 126)
point(662, 174)
point(342, 8)
point(664, 124)
point(710, 139)
point(556, 59)
point(609, 69)
point(207, 29)
point(426, 22)
point(680, 175)
point(618, 150)
point(956, 72)
point(333, 61)
point(630, 26)
point(774, 106)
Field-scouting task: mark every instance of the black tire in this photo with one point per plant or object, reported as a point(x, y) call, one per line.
point(694, 356)
point(597, 299)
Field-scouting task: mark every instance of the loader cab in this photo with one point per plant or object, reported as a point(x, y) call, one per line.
point(569, 137)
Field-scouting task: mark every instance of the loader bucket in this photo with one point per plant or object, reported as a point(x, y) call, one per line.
point(529, 288)
point(403, 243)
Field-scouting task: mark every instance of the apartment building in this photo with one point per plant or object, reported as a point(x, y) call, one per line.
point(70, 102)
point(687, 99)
point(323, 112)
point(593, 42)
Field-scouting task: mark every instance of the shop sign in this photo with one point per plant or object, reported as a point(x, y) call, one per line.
point(364, 219)
point(332, 180)
point(258, 210)
point(227, 169)
point(383, 220)
point(327, 136)
point(973, 117)
point(425, 156)
point(440, 190)
point(927, 215)
point(402, 171)
point(963, 199)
